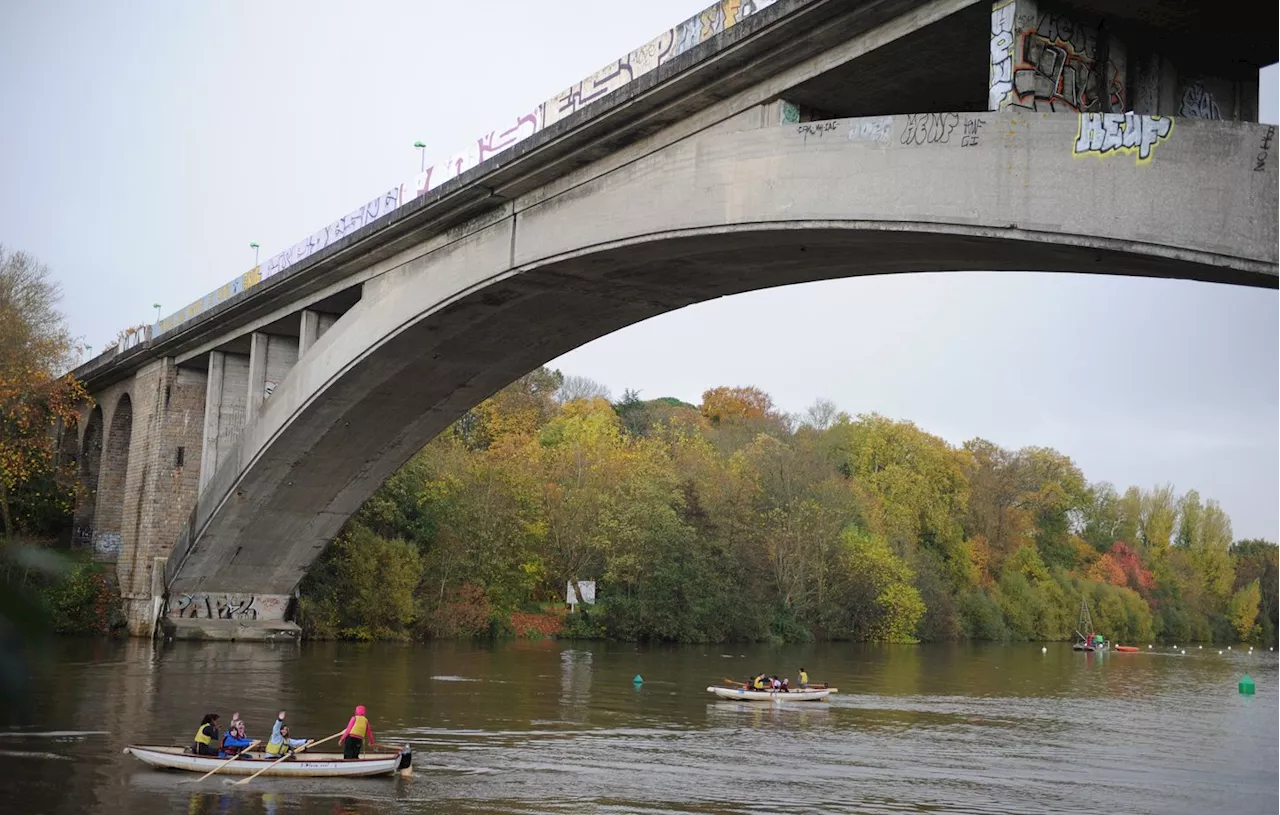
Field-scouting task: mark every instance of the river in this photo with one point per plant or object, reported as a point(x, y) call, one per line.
point(545, 726)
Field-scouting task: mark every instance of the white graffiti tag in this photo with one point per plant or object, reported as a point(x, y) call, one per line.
point(1001, 85)
point(1106, 134)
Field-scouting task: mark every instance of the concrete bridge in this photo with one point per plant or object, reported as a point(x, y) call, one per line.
point(755, 145)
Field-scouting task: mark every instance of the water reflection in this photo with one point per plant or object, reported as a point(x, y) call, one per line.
point(541, 726)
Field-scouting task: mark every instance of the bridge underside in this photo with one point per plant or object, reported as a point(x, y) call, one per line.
point(444, 328)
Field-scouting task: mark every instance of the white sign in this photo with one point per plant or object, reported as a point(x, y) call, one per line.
point(585, 593)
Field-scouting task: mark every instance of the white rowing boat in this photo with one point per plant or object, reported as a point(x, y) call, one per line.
point(305, 765)
point(794, 695)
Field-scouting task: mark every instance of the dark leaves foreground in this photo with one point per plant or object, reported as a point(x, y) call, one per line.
point(732, 521)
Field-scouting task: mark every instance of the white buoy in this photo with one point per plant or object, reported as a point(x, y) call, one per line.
point(1201, 647)
point(1228, 647)
point(1175, 646)
point(1044, 649)
point(1148, 647)
point(1184, 652)
point(1219, 653)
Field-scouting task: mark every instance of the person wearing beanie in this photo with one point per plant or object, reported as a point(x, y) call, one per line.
point(357, 733)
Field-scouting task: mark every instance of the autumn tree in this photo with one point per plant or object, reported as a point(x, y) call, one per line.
point(37, 397)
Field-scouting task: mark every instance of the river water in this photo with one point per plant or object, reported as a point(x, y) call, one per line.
point(533, 727)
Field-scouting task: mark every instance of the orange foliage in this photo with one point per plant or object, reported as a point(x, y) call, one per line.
point(724, 404)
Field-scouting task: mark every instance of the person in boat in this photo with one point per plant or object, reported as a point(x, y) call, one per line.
point(786, 685)
point(235, 740)
point(802, 681)
point(358, 731)
point(757, 682)
point(280, 743)
point(207, 738)
point(775, 684)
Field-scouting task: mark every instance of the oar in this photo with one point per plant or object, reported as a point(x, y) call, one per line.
point(255, 743)
point(735, 682)
point(286, 755)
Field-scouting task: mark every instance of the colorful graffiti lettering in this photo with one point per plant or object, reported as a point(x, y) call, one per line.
point(1058, 69)
point(1106, 134)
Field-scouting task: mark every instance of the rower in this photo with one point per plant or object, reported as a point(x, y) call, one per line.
point(235, 740)
point(353, 738)
point(803, 679)
point(206, 740)
point(280, 742)
point(757, 683)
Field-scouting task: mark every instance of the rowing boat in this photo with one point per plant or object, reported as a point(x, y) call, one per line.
point(305, 765)
point(795, 695)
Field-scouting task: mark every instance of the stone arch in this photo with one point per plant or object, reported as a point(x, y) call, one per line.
point(88, 469)
point(111, 481)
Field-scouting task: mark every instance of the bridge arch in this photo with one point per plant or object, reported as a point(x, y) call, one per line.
point(114, 471)
point(88, 468)
point(453, 320)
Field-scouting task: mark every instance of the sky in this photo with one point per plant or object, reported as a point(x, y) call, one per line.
point(148, 143)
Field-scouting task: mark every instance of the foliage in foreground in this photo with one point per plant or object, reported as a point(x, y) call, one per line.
point(731, 521)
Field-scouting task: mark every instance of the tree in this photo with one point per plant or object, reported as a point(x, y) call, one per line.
point(582, 387)
point(1159, 512)
point(821, 414)
point(1243, 611)
point(723, 404)
point(36, 397)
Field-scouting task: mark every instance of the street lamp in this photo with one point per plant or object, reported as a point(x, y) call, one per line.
point(254, 247)
point(422, 150)
point(156, 306)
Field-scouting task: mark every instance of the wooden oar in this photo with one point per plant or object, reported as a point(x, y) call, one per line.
point(735, 682)
point(255, 743)
point(286, 755)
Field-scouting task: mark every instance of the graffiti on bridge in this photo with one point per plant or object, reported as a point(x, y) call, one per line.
point(1198, 103)
point(1108, 134)
point(929, 128)
point(1053, 66)
point(1264, 150)
point(228, 606)
point(668, 45)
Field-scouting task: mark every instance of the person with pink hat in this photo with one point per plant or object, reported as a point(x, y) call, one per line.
point(353, 738)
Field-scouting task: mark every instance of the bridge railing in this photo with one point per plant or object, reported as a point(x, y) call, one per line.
point(668, 45)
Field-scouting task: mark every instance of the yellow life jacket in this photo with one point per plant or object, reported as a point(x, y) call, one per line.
point(359, 728)
point(202, 736)
point(804, 678)
point(758, 683)
point(278, 748)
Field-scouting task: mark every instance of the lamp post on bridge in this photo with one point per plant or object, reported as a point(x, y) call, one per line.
point(156, 306)
point(422, 151)
point(254, 247)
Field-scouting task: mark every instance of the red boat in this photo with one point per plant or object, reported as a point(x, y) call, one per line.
point(1129, 649)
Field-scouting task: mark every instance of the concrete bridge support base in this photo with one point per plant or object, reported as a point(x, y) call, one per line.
point(244, 630)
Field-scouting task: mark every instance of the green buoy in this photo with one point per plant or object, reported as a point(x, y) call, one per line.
point(640, 679)
point(1246, 685)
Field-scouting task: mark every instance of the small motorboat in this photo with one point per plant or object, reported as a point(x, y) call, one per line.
point(794, 695)
point(304, 765)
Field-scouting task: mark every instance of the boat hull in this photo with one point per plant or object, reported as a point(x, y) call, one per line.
point(305, 765)
point(795, 695)
point(1079, 646)
point(1128, 649)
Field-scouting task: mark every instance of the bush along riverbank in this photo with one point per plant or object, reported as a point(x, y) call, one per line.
point(731, 521)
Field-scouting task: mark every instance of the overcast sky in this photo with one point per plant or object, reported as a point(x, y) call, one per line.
point(147, 143)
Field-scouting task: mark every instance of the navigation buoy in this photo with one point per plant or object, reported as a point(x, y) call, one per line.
point(1228, 647)
point(1175, 646)
point(1149, 647)
point(638, 679)
point(1044, 649)
point(1184, 652)
point(1201, 647)
point(1246, 685)
point(1219, 653)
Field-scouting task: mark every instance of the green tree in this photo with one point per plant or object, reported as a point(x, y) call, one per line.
point(1243, 611)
